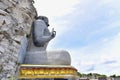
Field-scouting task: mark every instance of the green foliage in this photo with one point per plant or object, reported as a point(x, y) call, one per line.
point(28, 35)
point(1, 68)
point(96, 75)
point(12, 78)
point(79, 74)
point(113, 76)
point(89, 75)
point(103, 75)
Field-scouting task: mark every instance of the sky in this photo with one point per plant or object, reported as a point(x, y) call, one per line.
point(88, 29)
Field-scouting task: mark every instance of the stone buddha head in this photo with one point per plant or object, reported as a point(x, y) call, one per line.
point(44, 18)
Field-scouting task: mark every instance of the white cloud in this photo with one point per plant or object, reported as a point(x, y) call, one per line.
point(108, 51)
point(54, 8)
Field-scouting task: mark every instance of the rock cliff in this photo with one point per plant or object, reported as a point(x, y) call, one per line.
point(16, 17)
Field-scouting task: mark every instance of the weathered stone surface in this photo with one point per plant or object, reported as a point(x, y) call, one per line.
point(2, 50)
point(16, 17)
point(36, 57)
point(41, 33)
point(61, 57)
point(32, 54)
point(35, 52)
point(23, 49)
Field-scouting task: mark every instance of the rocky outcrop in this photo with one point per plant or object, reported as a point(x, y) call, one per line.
point(16, 17)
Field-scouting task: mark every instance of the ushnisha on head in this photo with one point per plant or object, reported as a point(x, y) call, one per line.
point(44, 18)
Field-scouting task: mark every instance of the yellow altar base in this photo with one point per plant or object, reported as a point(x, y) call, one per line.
point(46, 71)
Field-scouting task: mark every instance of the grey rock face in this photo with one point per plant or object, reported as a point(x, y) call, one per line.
point(16, 17)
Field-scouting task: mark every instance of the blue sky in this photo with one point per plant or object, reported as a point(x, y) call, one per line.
point(88, 29)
